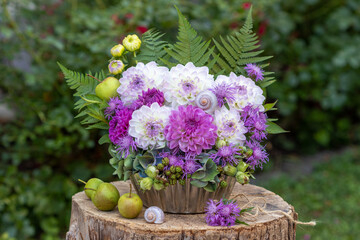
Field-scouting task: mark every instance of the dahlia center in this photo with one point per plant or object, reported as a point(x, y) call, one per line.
point(153, 128)
point(137, 83)
point(187, 87)
point(242, 90)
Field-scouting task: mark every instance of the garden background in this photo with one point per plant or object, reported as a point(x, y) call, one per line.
point(44, 150)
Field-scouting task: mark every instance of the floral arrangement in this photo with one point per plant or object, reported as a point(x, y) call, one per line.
point(181, 111)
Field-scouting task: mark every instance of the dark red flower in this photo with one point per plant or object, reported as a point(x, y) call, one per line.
point(246, 5)
point(141, 29)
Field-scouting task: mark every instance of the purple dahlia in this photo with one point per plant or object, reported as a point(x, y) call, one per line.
point(119, 125)
point(114, 105)
point(149, 97)
point(191, 130)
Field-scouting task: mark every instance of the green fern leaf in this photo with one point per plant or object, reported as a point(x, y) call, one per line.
point(190, 46)
point(239, 49)
point(152, 47)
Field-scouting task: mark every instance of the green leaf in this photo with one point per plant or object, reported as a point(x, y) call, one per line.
point(145, 159)
point(240, 222)
point(210, 187)
point(198, 175)
point(273, 128)
point(104, 139)
point(198, 183)
point(270, 106)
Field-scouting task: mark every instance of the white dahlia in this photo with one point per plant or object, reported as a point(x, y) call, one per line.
point(247, 93)
point(230, 128)
point(147, 126)
point(140, 78)
point(185, 83)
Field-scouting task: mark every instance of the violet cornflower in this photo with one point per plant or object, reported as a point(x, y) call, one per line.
point(191, 166)
point(126, 145)
point(225, 155)
point(149, 97)
point(114, 104)
point(224, 92)
point(222, 213)
point(254, 71)
point(255, 122)
point(259, 155)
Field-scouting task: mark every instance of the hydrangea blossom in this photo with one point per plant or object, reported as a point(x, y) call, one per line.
point(247, 91)
point(140, 78)
point(259, 155)
point(119, 125)
point(221, 213)
point(147, 126)
point(185, 82)
point(191, 130)
point(230, 128)
point(255, 122)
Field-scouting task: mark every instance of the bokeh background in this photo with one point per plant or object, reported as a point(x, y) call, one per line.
point(44, 150)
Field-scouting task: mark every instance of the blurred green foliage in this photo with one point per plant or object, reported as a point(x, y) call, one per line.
point(316, 45)
point(44, 150)
point(329, 195)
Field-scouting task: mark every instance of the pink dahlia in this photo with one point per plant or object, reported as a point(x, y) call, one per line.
point(119, 125)
point(149, 97)
point(191, 130)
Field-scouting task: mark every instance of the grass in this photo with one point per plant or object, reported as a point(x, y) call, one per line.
point(330, 195)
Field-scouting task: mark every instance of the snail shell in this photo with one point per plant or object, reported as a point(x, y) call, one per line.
point(207, 101)
point(154, 215)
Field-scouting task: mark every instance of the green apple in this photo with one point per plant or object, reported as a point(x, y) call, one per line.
point(107, 88)
point(92, 183)
point(130, 205)
point(106, 197)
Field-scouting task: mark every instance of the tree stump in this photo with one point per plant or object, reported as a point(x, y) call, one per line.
point(87, 222)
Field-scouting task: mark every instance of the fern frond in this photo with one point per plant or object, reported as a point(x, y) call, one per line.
point(152, 47)
point(239, 49)
point(190, 46)
point(89, 105)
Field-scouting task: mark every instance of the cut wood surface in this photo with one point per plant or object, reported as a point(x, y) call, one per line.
point(87, 222)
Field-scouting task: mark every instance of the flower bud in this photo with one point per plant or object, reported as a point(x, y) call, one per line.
point(220, 143)
point(178, 175)
point(220, 169)
point(167, 184)
point(165, 161)
point(116, 67)
point(249, 152)
point(178, 169)
point(146, 183)
point(117, 50)
point(242, 178)
point(182, 181)
point(173, 169)
point(242, 166)
point(160, 166)
point(159, 186)
point(132, 42)
point(167, 173)
point(151, 171)
point(172, 182)
point(223, 184)
point(230, 170)
point(173, 176)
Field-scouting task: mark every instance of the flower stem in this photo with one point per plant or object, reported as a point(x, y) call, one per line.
point(130, 190)
point(93, 78)
point(135, 57)
point(82, 181)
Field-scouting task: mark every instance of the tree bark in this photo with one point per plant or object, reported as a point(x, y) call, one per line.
point(87, 222)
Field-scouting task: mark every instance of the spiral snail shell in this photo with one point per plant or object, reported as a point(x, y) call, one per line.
point(154, 215)
point(207, 101)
